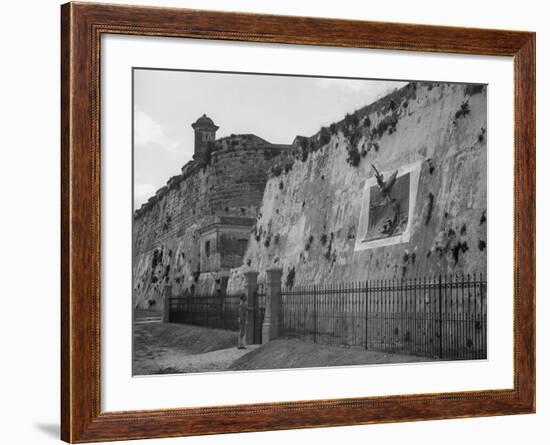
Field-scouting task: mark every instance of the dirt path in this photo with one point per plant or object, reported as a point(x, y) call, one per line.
point(170, 361)
point(168, 348)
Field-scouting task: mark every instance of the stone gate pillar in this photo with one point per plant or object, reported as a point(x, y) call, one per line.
point(166, 302)
point(273, 321)
point(252, 312)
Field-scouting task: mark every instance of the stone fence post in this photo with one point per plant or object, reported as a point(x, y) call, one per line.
point(167, 296)
point(273, 321)
point(251, 313)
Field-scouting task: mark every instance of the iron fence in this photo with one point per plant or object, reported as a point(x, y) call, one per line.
point(439, 317)
point(258, 314)
point(221, 312)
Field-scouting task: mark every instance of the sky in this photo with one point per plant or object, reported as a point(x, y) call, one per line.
point(275, 108)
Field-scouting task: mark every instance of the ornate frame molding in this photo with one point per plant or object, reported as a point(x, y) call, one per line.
point(82, 25)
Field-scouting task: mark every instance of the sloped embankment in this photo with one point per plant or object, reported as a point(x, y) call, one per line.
point(188, 339)
point(298, 354)
point(168, 348)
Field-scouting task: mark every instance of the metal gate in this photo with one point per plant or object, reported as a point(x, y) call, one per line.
point(259, 311)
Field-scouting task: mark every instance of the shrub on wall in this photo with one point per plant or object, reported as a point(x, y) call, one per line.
point(324, 137)
point(276, 170)
point(157, 258)
point(304, 149)
point(290, 276)
point(464, 110)
point(388, 124)
point(309, 242)
point(474, 89)
point(354, 157)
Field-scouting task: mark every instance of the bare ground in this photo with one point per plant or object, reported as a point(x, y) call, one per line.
point(283, 353)
point(167, 348)
point(170, 362)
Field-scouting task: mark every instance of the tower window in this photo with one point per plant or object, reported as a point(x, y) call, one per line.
point(207, 248)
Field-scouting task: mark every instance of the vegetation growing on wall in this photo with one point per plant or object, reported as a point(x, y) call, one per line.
point(309, 242)
point(166, 275)
point(481, 135)
point(430, 208)
point(472, 89)
point(328, 253)
point(388, 124)
point(290, 277)
point(356, 128)
point(324, 137)
point(157, 258)
point(258, 233)
point(354, 158)
point(463, 111)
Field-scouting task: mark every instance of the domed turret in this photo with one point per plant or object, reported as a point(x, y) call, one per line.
point(205, 132)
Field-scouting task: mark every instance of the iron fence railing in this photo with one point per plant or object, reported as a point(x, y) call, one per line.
point(442, 317)
point(221, 312)
point(258, 314)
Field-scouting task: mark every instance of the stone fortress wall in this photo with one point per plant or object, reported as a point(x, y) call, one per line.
point(216, 197)
point(309, 221)
point(245, 204)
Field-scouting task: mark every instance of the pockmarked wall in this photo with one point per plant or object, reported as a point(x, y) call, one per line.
point(325, 217)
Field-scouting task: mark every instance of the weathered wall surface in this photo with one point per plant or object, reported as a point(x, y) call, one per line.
point(311, 206)
point(165, 230)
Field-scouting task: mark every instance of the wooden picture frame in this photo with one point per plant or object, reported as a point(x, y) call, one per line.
point(82, 26)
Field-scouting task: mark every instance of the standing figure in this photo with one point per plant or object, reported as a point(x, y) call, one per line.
point(242, 322)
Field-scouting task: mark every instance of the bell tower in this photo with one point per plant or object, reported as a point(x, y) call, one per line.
point(205, 132)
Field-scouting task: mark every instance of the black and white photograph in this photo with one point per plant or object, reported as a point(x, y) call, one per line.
point(292, 221)
point(278, 222)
